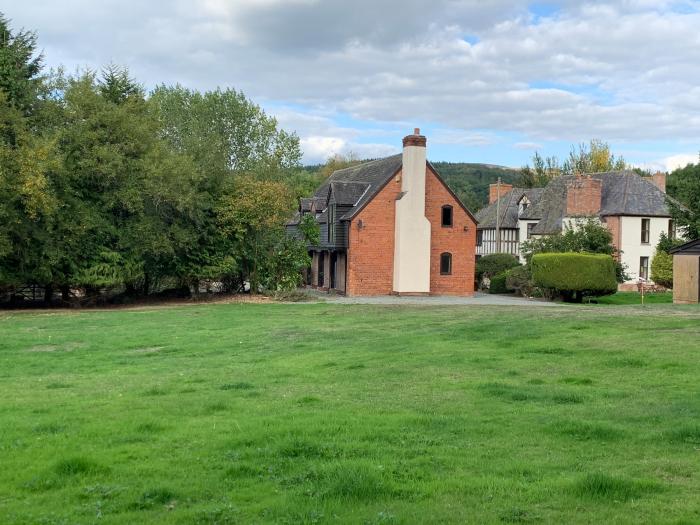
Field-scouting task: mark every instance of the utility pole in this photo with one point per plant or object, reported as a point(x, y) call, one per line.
point(498, 216)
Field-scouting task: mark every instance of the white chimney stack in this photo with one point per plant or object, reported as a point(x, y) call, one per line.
point(412, 228)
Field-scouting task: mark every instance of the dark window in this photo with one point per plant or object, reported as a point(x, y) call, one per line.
point(671, 229)
point(331, 223)
point(479, 237)
point(445, 264)
point(644, 267)
point(646, 226)
point(530, 227)
point(447, 215)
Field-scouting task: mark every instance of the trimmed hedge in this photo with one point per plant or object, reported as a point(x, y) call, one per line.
point(491, 265)
point(574, 275)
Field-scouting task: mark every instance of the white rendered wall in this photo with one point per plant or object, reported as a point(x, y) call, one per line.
point(522, 226)
point(631, 242)
point(412, 228)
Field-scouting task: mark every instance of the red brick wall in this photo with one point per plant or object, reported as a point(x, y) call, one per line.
point(461, 244)
point(371, 248)
point(583, 196)
point(613, 224)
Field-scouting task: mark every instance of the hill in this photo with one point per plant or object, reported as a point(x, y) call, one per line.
point(470, 181)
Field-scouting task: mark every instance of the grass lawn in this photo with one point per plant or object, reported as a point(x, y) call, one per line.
point(625, 298)
point(318, 413)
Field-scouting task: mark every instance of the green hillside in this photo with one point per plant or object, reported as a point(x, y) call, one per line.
point(469, 181)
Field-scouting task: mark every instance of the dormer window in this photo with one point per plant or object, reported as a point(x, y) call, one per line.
point(447, 216)
point(522, 205)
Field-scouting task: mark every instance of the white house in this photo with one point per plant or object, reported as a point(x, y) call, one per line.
point(634, 208)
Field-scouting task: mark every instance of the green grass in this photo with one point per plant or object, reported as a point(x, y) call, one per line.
point(635, 298)
point(317, 413)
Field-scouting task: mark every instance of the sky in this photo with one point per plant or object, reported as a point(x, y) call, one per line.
point(487, 81)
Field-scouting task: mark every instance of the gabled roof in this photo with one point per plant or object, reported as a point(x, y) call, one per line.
point(369, 177)
point(356, 186)
point(509, 208)
point(622, 193)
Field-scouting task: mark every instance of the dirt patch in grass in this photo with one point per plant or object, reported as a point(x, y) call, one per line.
point(147, 350)
point(43, 348)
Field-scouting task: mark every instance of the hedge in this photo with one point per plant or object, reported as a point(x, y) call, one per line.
point(491, 265)
point(498, 283)
point(574, 275)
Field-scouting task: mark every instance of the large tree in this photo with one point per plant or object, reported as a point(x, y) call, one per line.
point(684, 188)
point(593, 157)
point(20, 67)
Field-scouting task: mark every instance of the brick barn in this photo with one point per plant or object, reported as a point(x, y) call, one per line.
point(391, 226)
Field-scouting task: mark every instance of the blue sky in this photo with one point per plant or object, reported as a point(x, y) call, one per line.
point(485, 81)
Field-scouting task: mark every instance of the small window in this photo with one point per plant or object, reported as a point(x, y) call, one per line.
point(447, 216)
point(644, 268)
point(446, 264)
point(671, 229)
point(646, 227)
point(530, 227)
point(479, 237)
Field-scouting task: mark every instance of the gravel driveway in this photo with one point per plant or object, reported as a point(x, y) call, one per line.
point(433, 300)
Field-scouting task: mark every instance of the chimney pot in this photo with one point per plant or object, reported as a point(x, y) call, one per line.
point(416, 131)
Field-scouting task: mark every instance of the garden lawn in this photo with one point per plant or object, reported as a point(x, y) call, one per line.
point(635, 298)
point(317, 413)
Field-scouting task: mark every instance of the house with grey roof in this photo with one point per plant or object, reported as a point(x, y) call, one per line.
point(634, 208)
point(390, 226)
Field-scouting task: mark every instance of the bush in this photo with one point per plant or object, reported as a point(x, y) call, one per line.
point(498, 283)
point(491, 265)
point(662, 269)
point(574, 275)
point(519, 280)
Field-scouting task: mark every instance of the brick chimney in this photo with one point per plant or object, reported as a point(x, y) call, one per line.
point(411, 227)
point(583, 197)
point(493, 191)
point(659, 180)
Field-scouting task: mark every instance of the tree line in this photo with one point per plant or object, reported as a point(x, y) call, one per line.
point(105, 187)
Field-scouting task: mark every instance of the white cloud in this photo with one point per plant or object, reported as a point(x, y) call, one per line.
point(679, 161)
point(533, 146)
point(620, 70)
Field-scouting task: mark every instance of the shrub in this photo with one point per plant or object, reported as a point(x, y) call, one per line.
point(519, 280)
point(573, 275)
point(490, 265)
point(498, 283)
point(662, 269)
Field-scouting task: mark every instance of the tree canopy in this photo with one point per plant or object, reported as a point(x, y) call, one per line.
point(684, 187)
point(106, 187)
point(594, 157)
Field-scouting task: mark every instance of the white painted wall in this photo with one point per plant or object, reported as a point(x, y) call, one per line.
point(412, 228)
point(631, 243)
point(522, 226)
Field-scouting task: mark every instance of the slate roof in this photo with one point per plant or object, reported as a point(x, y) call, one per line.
point(347, 193)
point(368, 176)
point(509, 208)
point(622, 193)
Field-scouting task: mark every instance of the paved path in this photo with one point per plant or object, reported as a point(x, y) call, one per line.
point(476, 300)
